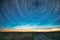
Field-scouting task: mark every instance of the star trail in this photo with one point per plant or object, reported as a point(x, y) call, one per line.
point(32, 13)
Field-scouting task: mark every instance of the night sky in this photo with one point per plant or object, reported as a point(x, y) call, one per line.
point(29, 14)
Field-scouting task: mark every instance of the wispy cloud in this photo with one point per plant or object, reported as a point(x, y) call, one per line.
point(33, 27)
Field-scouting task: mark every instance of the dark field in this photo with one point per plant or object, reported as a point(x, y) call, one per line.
point(29, 36)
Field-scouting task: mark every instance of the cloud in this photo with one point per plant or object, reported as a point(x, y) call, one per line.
point(31, 27)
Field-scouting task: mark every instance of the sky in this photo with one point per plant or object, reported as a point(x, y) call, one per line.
point(29, 13)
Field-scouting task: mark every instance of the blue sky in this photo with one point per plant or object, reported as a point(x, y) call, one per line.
point(33, 12)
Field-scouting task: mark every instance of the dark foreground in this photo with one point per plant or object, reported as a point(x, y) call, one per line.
point(29, 36)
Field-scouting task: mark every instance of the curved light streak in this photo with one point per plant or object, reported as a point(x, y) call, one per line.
point(15, 13)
